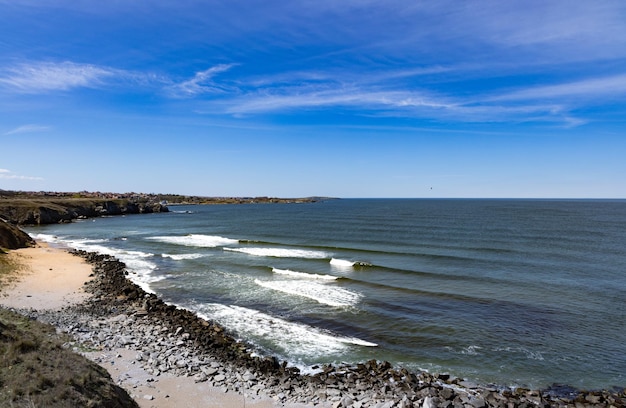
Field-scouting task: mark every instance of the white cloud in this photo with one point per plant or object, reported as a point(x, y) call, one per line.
point(50, 76)
point(41, 77)
point(298, 98)
point(367, 97)
point(27, 129)
point(586, 89)
point(202, 82)
point(8, 174)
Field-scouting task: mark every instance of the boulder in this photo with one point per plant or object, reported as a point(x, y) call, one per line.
point(11, 237)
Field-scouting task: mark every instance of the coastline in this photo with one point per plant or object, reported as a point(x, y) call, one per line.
point(160, 353)
point(51, 282)
point(51, 278)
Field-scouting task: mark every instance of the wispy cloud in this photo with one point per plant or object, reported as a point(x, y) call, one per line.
point(386, 95)
point(27, 129)
point(42, 77)
point(587, 89)
point(348, 97)
point(49, 76)
point(202, 83)
point(8, 174)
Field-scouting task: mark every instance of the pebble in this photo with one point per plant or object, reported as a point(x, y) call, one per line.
point(166, 339)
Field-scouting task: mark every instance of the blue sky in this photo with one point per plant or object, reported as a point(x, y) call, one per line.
point(298, 98)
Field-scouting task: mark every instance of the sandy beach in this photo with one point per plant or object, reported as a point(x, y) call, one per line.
point(51, 278)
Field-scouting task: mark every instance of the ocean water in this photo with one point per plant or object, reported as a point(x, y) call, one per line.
point(511, 292)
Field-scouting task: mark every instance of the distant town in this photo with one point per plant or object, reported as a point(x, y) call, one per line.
point(166, 199)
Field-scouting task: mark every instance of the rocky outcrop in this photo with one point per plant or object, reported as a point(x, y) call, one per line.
point(11, 237)
point(37, 212)
point(167, 339)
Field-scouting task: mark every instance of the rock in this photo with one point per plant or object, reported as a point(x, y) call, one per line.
point(477, 402)
point(429, 402)
point(446, 393)
point(11, 237)
point(148, 397)
point(200, 377)
point(468, 384)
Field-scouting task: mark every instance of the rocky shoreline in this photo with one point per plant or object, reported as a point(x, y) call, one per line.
point(55, 211)
point(119, 314)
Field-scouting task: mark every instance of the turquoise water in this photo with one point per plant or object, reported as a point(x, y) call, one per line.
point(514, 292)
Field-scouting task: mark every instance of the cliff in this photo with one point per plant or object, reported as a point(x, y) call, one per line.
point(12, 237)
point(26, 211)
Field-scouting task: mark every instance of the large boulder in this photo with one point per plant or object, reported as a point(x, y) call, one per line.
point(12, 237)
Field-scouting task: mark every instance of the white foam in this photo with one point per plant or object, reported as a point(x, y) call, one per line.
point(45, 238)
point(319, 292)
point(342, 262)
point(137, 262)
point(54, 239)
point(302, 275)
point(182, 257)
point(281, 252)
point(196, 240)
point(294, 339)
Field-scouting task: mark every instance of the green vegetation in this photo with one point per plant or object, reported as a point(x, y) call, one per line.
point(8, 270)
point(36, 371)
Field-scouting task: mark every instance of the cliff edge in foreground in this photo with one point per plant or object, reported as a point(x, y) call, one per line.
point(11, 237)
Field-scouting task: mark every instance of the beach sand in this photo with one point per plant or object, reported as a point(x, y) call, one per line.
point(49, 278)
point(52, 278)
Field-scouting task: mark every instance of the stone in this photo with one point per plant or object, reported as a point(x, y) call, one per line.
point(210, 371)
point(477, 402)
point(446, 393)
point(429, 402)
point(200, 377)
point(468, 384)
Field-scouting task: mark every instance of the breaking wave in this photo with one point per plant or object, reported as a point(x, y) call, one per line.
point(319, 292)
point(293, 338)
point(281, 252)
point(196, 240)
point(182, 257)
point(302, 275)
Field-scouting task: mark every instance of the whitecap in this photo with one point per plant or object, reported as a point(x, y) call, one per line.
point(321, 293)
point(182, 257)
point(281, 252)
point(196, 240)
point(295, 339)
point(342, 263)
point(302, 275)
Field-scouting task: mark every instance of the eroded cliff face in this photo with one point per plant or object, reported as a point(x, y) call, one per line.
point(37, 212)
point(11, 237)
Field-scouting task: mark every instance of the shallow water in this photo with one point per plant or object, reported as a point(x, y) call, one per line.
point(516, 292)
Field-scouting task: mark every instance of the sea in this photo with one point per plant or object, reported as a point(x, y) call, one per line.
point(508, 292)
